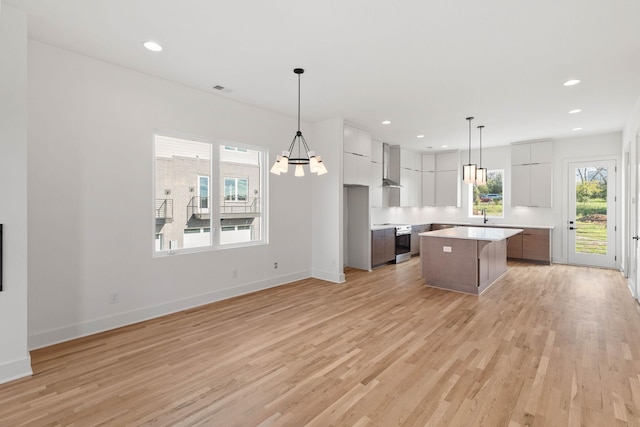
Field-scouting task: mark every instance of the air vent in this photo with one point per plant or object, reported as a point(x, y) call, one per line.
point(218, 87)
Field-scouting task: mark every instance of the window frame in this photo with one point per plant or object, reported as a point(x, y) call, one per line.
point(214, 224)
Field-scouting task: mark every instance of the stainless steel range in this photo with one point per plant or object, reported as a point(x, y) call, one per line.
point(403, 243)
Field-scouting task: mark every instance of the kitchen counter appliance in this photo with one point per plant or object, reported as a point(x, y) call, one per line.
point(403, 243)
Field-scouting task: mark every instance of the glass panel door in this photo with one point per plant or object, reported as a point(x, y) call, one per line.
point(591, 235)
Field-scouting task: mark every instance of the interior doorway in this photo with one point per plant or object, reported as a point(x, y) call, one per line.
point(592, 213)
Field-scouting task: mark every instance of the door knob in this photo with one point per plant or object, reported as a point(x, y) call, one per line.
point(636, 237)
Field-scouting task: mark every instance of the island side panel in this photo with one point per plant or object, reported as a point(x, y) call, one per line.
point(455, 270)
point(492, 262)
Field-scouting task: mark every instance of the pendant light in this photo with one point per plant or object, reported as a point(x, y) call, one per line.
point(481, 173)
point(300, 155)
point(469, 170)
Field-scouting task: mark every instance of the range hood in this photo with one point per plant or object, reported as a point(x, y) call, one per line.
point(387, 160)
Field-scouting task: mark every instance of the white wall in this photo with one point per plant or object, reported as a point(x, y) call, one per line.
point(327, 202)
point(90, 198)
point(14, 357)
point(582, 147)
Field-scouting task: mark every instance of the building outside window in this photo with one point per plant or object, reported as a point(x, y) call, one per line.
point(190, 176)
point(488, 198)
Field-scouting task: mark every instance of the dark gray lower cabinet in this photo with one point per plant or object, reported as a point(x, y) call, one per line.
point(383, 246)
point(415, 239)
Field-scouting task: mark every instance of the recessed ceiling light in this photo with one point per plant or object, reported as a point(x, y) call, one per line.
point(576, 129)
point(152, 46)
point(571, 82)
point(420, 136)
point(386, 122)
point(577, 110)
point(444, 146)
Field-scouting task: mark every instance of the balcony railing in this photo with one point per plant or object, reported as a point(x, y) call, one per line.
point(164, 208)
point(199, 207)
point(249, 205)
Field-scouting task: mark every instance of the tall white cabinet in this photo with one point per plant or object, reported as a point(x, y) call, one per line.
point(376, 190)
point(532, 174)
point(428, 180)
point(441, 179)
point(405, 167)
point(356, 156)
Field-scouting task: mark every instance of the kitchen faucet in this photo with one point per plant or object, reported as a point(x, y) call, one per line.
point(484, 216)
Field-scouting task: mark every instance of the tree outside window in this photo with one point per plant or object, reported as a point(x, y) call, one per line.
point(489, 197)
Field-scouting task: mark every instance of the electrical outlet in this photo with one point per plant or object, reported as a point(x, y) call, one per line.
point(275, 265)
point(235, 273)
point(114, 298)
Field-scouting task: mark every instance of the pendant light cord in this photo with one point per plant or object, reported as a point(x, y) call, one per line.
point(469, 119)
point(480, 127)
point(298, 103)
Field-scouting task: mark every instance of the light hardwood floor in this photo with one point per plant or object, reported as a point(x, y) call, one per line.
point(545, 346)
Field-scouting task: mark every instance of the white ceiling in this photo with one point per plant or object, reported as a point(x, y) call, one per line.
point(423, 64)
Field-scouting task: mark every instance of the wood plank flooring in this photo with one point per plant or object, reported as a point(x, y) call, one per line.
point(544, 346)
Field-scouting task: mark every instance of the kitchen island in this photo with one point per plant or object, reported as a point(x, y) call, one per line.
point(464, 259)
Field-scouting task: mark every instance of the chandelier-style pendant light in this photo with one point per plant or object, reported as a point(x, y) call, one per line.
point(481, 173)
point(300, 156)
point(469, 170)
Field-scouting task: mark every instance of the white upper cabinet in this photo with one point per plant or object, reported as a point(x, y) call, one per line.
point(376, 151)
point(528, 153)
point(357, 147)
point(357, 141)
point(532, 174)
point(441, 179)
point(448, 161)
point(542, 152)
point(428, 162)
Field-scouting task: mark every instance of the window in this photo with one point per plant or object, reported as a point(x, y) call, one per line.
point(203, 191)
point(488, 197)
point(235, 189)
point(228, 148)
point(215, 192)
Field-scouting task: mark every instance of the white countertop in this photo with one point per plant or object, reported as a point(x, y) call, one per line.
point(474, 233)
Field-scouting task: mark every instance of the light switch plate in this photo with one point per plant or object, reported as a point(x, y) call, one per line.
point(446, 249)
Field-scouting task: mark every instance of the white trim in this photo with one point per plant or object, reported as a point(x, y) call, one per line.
point(78, 330)
point(328, 276)
point(15, 369)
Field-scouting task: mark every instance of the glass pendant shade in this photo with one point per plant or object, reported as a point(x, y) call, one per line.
point(469, 174)
point(321, 169)
point(276, 166)
point(313, 162)
point(299, 170)
point(481, 176)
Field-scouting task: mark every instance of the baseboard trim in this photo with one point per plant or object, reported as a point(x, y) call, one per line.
point(330, 277)
point(90, 327)
point(15, 369)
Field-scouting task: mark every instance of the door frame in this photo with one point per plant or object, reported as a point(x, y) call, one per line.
point(633, 277)
point(565, 205)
